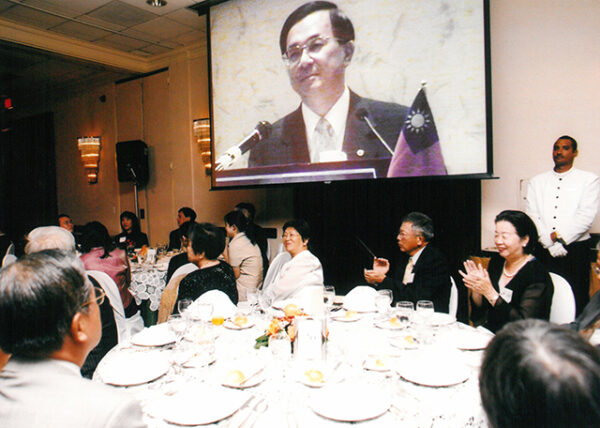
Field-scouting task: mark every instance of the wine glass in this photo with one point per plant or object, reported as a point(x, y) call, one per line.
point(328, 296)
point(383, 300)
point(182, 307)
point(204, 311)
point(425, 309)
point(252, 297)
point(244, 308)
point(405, 311)
point(177, 325)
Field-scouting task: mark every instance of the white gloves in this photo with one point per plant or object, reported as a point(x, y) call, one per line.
point(557, 250)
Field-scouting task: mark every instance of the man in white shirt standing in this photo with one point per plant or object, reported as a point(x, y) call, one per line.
point(563, 204)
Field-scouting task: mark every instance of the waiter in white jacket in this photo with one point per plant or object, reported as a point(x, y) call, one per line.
point(563, 204)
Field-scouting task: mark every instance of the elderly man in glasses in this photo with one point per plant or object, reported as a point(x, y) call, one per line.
point(49, 322)
point(331, 124)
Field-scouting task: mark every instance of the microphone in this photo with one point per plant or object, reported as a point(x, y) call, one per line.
point(363, 114)
point(262, 131)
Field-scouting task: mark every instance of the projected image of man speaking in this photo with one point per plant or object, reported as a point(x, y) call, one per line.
point(332, 123)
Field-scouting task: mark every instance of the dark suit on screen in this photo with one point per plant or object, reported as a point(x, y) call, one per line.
point(431, 280)
point(287, 143)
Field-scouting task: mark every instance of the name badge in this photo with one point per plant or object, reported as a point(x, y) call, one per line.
point(506, 295)
point(122, 239)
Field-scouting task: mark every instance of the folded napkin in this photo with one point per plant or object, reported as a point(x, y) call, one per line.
point(222, 304)
point(361, 299)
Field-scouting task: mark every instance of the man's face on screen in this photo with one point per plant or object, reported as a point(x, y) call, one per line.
point(320, 69)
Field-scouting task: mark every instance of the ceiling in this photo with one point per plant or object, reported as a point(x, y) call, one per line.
point(49, 45)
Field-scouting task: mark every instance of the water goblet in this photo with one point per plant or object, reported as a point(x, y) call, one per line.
point(383, 301)
point(182, 307)
point(178, 326)
point(405, 311)
point(328, 296)
point(425, 309)
point(204, 311)
point(252, 297)
point(244, 308)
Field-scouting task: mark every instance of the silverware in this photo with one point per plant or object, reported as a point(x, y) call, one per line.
point(259, 409)
point(252, 376)
point(232, 421)
point(250, 414)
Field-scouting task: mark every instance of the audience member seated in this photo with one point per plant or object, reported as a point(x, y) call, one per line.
point(131, 235)
point(57, 238)
point(206, 242)
point(296, 268)
point(260, 235)
point(99, 253)
point(184, 215)
point(243, 253)
point(422, 272)
point(537, 374)
point(516, 285)
point(65, 221)
point(49, 322)
point(180, 259)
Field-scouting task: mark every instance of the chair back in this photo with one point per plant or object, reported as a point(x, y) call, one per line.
point(169, 297)
point(562, 310)
point(453, 303)
point(114, 297)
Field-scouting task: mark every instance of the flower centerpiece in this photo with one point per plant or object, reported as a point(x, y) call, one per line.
point(285, 323)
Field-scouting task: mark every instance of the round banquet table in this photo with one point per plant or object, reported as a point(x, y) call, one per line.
point(289, 402)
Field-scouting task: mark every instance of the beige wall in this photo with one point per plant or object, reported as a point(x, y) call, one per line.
point(159, 110)
point(545, 83)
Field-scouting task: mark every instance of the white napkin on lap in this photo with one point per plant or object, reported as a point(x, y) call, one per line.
point(222, 304)
point(361, 299)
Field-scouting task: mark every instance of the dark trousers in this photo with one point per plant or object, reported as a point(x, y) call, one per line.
point(575, 268)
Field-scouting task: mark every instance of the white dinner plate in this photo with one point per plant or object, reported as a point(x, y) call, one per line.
point(471, 340)
point(390, 324)
point(252, 370)
point(233, 326)
point(314, 375)
point(377, 363)
point(157, 335)
point(133, 368)
point(407, 341)
point(434, 368)
point(347, 316)
point(199, 405)
point(350, 402)
point(440, 318)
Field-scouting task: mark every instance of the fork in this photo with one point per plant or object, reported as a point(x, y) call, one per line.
point(258, 409)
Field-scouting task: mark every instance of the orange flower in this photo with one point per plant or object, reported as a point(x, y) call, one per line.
point(291, 332)
point(273, 328)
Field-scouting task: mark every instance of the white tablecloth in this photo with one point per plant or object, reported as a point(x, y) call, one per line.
point(288, 400)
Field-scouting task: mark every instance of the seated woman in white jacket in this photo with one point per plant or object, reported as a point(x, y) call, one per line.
point(296, 268)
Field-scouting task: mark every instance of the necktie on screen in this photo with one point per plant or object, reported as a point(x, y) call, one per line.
point(323, 138)
point(408, 272)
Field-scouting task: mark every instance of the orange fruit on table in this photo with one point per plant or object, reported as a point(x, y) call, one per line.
point(218, 320)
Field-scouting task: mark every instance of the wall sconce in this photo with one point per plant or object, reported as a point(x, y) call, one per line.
point(90, 156)
point(202, 135)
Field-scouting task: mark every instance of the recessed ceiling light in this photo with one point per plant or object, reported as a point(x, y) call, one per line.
point(156, 3)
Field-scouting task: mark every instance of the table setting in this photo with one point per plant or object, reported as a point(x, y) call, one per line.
point(323, 372)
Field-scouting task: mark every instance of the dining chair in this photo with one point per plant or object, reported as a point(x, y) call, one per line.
point(169, 296)
point(184, 269)
point(112, 293)
point(453, 303)
point(562, 309)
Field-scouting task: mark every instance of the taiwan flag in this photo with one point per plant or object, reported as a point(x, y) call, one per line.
point(418, 149)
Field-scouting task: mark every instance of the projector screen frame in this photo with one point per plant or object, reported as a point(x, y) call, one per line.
point(486, 172)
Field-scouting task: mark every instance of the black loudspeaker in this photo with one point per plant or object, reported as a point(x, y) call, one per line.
point(132, 162)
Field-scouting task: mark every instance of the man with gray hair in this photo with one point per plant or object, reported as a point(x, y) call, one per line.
point(422, 272)
point(58, 238)
point(538, 374)
point(49, 322)
point(49, 237)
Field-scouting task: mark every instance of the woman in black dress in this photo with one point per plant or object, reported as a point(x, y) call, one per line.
point(206, 243)
point(131, 235)
point(516, 285)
